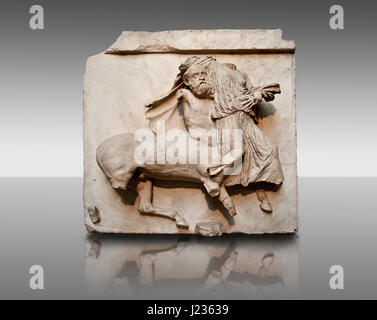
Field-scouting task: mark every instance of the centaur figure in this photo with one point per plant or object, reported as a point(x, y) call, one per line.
point(215, 97)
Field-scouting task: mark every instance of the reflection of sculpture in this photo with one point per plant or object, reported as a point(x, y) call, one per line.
point(215, 97)
point(139, 266)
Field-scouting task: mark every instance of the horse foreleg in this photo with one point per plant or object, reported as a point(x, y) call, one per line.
point(227, 201)
point(265, 204)
point(145, 191)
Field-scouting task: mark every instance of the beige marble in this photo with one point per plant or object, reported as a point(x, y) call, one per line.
point(116, 88)
point(200, 41)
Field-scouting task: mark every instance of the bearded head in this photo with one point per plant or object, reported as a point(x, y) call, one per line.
point(197, 79)
point(229, 88)
point(195, 73)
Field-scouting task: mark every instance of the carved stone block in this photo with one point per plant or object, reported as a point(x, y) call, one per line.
point(191, 132)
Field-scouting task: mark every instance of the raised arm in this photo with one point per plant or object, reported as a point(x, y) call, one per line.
point(163, 98)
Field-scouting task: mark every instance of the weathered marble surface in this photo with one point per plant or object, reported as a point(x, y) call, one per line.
point(201, 40)
point(116, 88)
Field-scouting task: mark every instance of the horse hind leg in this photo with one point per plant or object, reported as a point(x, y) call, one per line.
point(145, 191)
point(227, 201)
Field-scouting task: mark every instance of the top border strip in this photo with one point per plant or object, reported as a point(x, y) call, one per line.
point(202, 41)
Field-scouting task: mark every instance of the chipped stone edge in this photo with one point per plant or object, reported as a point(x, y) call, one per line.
point(202, 41)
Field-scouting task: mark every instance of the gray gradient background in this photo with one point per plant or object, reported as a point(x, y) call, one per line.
point(41, 132)
point(42, 73)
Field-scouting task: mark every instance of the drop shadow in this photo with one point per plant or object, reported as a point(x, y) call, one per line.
point(264, 109)
point(252, 188)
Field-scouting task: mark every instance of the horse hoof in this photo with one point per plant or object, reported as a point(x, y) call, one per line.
point(232, 212)
point(180, 222)
point(266, 207)
point(229, 205)
point(214, 193)
point(212, 188)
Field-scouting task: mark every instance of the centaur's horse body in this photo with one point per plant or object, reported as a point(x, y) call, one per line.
point(115, 156)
